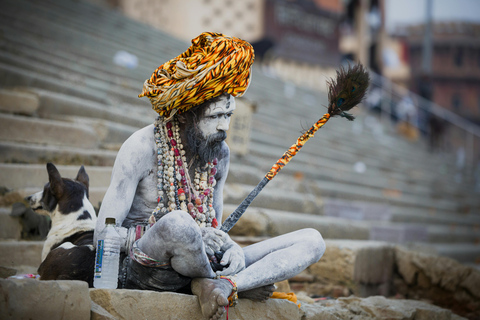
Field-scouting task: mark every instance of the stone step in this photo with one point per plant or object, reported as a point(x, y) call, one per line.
point(18, 102)
point(264, 155)
point(20, 253)
point(26, 153)
point(268, 222)
point(41, 131)
point(288, 195)
point(54, 103)
point(10, 227)
point(433, 216)
point(464, 252)
point(30, 299)
point(14, 76)
point(20, 176)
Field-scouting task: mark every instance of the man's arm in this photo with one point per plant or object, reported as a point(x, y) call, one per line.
point(129, 169)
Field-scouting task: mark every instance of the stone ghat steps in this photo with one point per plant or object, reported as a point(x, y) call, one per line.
point(117, 31)
point(283, 193)
point(253, 90)
point(375, 184)
point(93, 132)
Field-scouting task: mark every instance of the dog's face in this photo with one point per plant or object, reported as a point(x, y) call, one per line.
point(60, 194)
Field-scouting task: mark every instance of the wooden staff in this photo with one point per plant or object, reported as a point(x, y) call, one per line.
point(345, 92)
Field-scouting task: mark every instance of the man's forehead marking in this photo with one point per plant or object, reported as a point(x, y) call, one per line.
point(218, 107)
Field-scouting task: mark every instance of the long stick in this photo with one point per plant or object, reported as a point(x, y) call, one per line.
point(344, 93)
point(287, 156)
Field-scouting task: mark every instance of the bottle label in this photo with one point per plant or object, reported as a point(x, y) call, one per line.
point(98, 260)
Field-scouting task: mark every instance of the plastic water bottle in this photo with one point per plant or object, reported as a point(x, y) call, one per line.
point(107, 257)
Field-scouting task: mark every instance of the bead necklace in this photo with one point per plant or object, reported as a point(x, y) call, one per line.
point(173, 179)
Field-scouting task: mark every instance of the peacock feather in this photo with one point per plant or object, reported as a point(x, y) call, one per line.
point(347, 90)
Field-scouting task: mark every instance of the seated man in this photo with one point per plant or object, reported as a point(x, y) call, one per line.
point(167, 187)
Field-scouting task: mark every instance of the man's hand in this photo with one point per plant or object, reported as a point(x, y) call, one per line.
point(213, 239)
point(233, 257)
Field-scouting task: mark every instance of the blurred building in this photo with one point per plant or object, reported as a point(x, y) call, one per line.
point(454, 80)
point(302, 41)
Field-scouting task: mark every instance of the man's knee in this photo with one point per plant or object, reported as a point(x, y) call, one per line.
point(315, 242)
point(177, 226)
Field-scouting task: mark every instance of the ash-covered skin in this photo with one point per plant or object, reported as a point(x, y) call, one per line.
point(177, 239)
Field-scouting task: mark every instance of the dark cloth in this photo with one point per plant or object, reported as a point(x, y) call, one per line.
point(161, 279)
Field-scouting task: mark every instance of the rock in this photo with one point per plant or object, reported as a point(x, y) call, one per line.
point(376, 307)
point(442, 280)
point(143, 304)
point(34, 299)
point(426, 269)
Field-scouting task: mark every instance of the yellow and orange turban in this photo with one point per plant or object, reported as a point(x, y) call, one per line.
point(213, 64)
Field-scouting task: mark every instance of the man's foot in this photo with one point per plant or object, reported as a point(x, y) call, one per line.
point(260, 294)
point(213, 296)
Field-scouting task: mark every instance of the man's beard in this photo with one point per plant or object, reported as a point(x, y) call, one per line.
point(203, 149)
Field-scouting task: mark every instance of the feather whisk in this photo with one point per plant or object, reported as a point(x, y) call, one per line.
point(346, 91)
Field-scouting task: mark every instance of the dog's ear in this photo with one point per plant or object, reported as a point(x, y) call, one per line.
point(82, 177)
point(56, 182)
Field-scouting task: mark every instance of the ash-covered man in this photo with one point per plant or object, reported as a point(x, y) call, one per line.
point(167, 184)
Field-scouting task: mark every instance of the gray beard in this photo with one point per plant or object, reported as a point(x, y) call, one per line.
point(203, 149)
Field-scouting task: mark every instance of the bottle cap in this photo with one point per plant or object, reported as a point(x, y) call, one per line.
point(110, 221)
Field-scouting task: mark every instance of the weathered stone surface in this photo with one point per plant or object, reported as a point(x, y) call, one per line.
point(20, 253)
point(18, 102)
point(440, 279)
point(140, 304)
point(34, 299)
point(376, 307)
point(365, 267)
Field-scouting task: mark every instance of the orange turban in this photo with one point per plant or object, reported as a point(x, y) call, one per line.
point(213, 64)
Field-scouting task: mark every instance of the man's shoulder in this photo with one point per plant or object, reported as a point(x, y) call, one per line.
point(142, 136)
point(142, 139)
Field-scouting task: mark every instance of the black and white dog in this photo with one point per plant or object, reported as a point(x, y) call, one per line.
point(68, 252)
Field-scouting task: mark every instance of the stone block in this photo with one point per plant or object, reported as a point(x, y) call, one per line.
point(33, 299)
point(365, 267)
point(18, 102)
point(21, 253)
point(143, 304)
